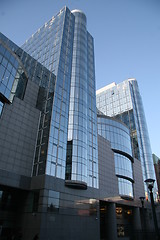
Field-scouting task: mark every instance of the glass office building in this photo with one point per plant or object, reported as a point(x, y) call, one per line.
point(123, 101)
point(65, 47)
point(52, 181)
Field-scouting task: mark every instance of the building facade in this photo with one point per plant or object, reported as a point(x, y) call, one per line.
point(119, 137)
point(65, 172)
point(65, 47)
point(124, 182)
point(156, 161)
point(37, 200)
point(123, 101)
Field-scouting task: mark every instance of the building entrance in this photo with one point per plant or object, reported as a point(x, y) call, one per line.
point(116, 221)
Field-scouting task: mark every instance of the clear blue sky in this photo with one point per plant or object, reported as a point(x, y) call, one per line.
point(127, 42)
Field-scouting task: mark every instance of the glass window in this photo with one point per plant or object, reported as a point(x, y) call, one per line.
point(1, 107)
point(2, 49)
point(53, 201)
point(2, 70)
point(123, 166)
point(125, 187)
point(4, 62)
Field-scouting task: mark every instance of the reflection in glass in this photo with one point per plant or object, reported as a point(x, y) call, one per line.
point(13, 79)
point(123, 166)
point(53, 201)
point(1, 106)
point(69, 161)
point(45, 95)
point(128, 107)
point(116, 133)
point(125, 187)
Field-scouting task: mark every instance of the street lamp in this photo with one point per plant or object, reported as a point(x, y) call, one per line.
point(150, 183)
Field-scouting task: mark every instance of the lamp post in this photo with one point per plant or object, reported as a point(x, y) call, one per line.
point(143, 219)
point(150, 183)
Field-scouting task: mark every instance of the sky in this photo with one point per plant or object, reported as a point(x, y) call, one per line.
point(126, 42)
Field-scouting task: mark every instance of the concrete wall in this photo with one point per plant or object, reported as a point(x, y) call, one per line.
point(108, 182)
point(18, 132)
point(138, 179)
point(76, 217)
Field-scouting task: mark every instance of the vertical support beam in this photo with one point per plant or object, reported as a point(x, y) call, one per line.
point(112, 222)
point(137, 226)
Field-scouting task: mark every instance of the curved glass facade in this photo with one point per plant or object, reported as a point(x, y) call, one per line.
point(123, 166)
point(77, 127)
point(143, 137)
point(123, 101)
point(116, 132)
point(92, 145)
point(82, 165)
point(125, 187)
point(13, 79)
point(65, 47)
point(119, 137)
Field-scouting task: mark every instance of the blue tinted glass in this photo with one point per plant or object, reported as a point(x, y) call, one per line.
point(1, 106)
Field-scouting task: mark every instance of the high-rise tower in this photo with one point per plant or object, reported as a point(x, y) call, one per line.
point(51, 182)
point(65, 47)
point(123, 101)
